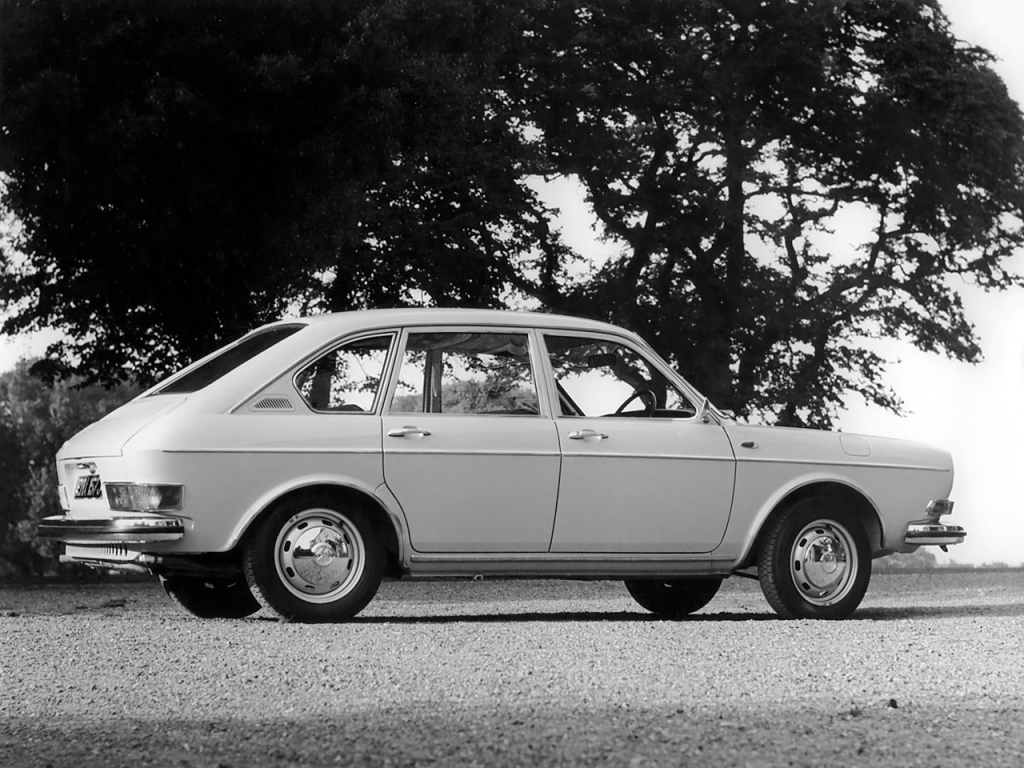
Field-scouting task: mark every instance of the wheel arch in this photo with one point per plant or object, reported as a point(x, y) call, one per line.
point(386, 525)
point(852, 497)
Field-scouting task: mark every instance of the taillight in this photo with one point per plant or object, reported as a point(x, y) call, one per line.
point(144, 497)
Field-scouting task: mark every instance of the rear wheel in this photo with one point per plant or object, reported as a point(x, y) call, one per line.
point(673, 598)
point(315, 558)
point(815, 562)
point(211, 598)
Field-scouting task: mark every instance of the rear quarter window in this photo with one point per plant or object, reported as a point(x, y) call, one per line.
point(228, 359)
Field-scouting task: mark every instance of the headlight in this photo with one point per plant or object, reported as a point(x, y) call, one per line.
point(140, 497)
point(939, 508)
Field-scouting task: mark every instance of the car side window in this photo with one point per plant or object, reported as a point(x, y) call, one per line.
point(346, 379)
point(475, 372)
point(598, 377)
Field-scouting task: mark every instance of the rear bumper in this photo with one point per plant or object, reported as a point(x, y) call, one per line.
point(930, 532)
point(125, 530)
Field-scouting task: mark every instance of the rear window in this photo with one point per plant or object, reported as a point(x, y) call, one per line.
point(228, 360)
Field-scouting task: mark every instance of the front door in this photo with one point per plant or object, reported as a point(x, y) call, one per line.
point(641, 473)
point(467, 451)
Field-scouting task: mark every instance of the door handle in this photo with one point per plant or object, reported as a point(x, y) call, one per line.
point(408, 432)
point(583, 434)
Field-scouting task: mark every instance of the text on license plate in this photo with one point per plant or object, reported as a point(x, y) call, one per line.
point(88, 487)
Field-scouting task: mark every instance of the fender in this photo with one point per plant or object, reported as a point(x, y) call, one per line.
point(751, 530)
point(378, 495)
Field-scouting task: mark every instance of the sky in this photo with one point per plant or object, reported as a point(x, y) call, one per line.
point(975, 412)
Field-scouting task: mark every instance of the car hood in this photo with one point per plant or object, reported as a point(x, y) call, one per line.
point(108, 436)
point(819, 446)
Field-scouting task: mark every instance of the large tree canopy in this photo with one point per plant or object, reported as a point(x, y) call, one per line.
point(720, 143)
point(187, 170)
point(784, 180)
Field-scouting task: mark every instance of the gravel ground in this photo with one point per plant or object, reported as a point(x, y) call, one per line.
point(929, 672)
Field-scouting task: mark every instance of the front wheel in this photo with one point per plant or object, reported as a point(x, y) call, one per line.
point(315, 558)
point(815, 562)
point(673, 598)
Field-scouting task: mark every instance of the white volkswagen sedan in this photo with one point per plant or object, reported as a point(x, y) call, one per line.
point(297, 467)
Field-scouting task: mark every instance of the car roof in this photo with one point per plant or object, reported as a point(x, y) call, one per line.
point(373, 318)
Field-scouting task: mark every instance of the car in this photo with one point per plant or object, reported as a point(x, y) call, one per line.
point(294, 469)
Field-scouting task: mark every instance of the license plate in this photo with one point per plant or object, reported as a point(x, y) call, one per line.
point(88, 487)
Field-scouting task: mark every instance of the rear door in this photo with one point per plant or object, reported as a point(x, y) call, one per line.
point(468, 450)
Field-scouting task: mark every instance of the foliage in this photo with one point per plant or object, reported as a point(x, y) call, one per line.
point(186, 171)
point(785, 181)
point(721, 143)
point(35, 420)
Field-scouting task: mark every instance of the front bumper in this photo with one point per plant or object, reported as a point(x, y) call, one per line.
point(930, 532)
point(125, 530)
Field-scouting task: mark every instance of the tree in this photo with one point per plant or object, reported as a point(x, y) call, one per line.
point(36, 418)
point(721, 143)
point(187, 171)
point(243, 158)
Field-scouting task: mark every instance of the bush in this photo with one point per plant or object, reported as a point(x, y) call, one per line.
point(36, 418)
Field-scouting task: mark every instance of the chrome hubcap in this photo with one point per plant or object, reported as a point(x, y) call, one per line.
point(319, 555)
point(823, 563)
point(324, 552)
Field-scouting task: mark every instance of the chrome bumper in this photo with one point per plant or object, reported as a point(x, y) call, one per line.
point(934, 533)
point(931, 531)
point(133, 530)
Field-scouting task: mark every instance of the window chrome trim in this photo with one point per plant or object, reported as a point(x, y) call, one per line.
point(333, 347)
point(535, 372)
point(639, 347)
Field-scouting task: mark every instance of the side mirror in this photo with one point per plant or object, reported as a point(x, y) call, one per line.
point(705, 411)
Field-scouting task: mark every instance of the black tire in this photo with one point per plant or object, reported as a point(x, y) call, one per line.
point(314, 558)
point(673, 598)
point(815, 561)
point(211, 598)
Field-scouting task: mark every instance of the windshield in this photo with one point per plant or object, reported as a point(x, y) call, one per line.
point(228, 359)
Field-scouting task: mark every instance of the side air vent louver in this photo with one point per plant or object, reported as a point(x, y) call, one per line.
point(272, 403)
